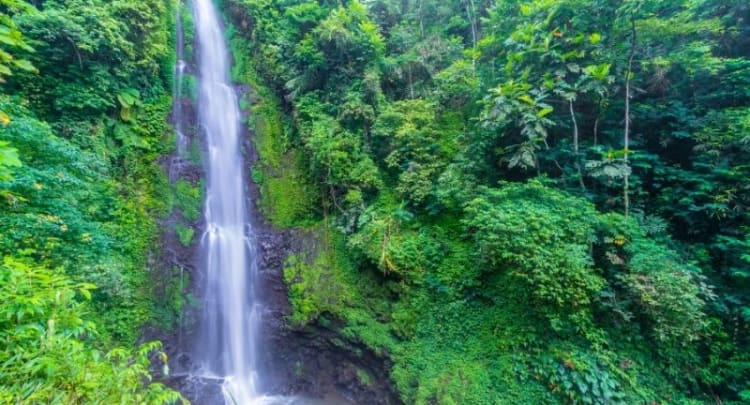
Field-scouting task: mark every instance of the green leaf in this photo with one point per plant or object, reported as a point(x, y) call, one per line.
point(8, 155)
point(527, 99)
point(128, 98)
point(24, 64)
point(86, 293)
point(125, 114)
point(544, 112)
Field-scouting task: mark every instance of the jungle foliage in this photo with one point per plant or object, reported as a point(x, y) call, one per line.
point(84, 102)
point(515, 201)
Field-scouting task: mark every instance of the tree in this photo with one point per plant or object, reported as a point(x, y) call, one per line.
point(414, 148)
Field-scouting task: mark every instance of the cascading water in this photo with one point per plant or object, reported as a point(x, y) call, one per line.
point(177, 110)
point(179, 75)
point(176, 165)
point(178, 159)
point(230, 316)
point(232, 308)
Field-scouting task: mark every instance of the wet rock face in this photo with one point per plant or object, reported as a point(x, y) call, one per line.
point(314, 365)
point(306, 362)
point(199, 391)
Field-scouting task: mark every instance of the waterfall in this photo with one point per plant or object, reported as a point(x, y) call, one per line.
point(179, 75)
point(177, 162)
point(231, 311)
point(226, 349)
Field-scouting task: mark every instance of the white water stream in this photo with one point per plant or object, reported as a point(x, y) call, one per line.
point(231, 310)
point(232, 307)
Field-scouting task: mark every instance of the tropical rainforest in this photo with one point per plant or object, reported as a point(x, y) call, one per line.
point(512, 202)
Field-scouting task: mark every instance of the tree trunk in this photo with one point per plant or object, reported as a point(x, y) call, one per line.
point(629, 74)
point(471, 15)
point(421, 21)
point(576, 154)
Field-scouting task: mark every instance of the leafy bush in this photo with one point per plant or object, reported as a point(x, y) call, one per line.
point(581, 380)
point(542, 237)
point(45, 358)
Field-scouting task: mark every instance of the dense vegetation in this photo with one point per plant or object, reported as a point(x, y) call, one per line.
point(514, 201)
point(527, 202)
point(84, 102)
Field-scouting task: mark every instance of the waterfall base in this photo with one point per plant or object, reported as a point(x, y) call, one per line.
point(212, 391)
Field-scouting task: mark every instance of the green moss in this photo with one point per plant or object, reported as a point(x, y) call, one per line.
point(288, 198)
point(318, 280)
point(179, 296)
point(190, 87)
point(188, 200)
point(364, 377)
point(170, 312)
point(194, 150)
point(185, 234)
